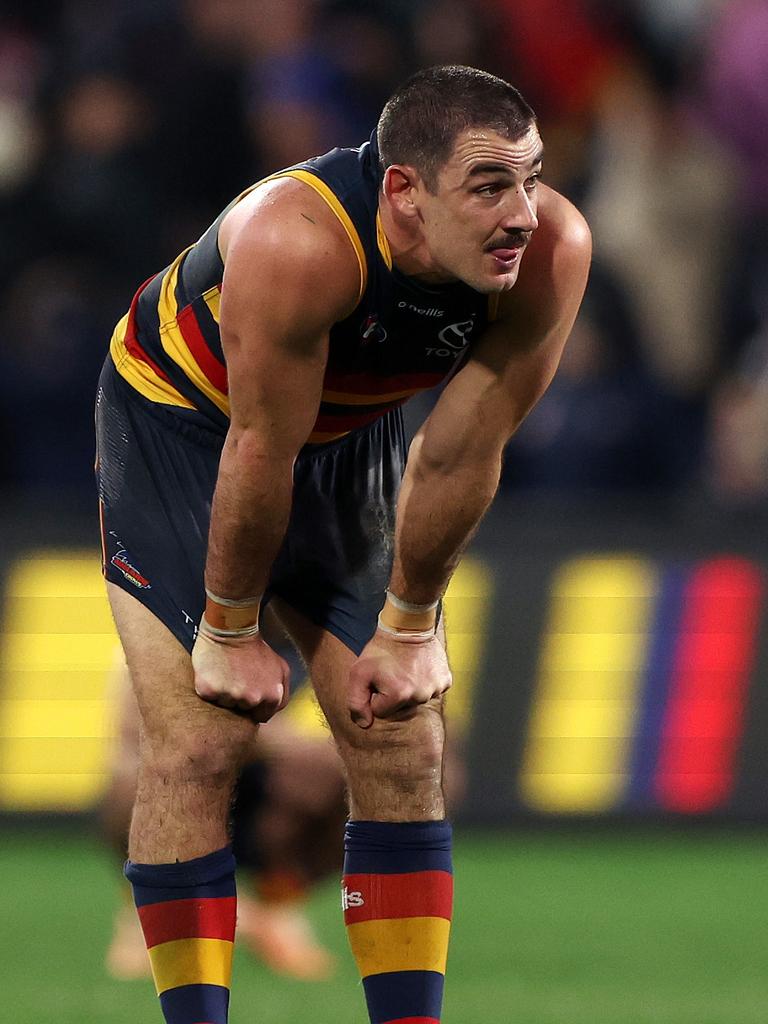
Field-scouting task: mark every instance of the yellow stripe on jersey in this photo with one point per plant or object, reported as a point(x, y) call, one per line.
point(345, 220)
point(383, 242)
point(212, 299)
point(191, 962)
point(173, 341)
point(400, 944)
point(140, 375)
point(344, 398)
point(167, 306)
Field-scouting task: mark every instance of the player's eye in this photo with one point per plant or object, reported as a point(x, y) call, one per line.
point(491, 189)
point(532, 182)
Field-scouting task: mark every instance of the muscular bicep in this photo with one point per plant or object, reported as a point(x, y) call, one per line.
point(514, 362)
point(289, 276)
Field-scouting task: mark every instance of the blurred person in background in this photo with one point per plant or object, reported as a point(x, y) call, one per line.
point(606, 424)
point(734, 103)
point(656, 182)
point(376, 276)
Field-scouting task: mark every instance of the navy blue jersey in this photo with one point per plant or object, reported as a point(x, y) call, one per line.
point(401, 338)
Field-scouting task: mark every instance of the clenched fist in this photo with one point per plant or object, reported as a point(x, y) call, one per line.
point(241, 673)
point(391, 678)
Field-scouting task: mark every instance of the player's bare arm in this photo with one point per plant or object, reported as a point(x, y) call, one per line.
point(274, 329)
point(455, 460)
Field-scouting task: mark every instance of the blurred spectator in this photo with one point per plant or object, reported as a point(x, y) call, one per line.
point(53, 339)
point(735, 103)
point(660, 217)
point(606, 423)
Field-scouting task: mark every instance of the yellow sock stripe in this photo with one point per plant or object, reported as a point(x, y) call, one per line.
point(400, 944)
point(191, 962)
point(346, 221)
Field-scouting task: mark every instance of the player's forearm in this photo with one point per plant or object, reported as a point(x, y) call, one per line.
point(439, 509)
point(249, 516)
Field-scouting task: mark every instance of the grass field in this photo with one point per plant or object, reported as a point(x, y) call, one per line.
point(575, 928)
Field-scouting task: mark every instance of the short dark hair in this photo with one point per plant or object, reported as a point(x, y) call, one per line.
point(422, 119)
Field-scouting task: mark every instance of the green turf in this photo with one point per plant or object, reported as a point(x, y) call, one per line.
point(550, 929)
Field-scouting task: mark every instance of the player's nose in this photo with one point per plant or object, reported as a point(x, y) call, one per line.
point(520, 214)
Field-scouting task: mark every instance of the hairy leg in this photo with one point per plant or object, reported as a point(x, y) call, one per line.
point(394, 769)
point(190, 751)
point(397, 881)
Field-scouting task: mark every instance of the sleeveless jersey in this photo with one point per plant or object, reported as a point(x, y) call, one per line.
point(401, 338)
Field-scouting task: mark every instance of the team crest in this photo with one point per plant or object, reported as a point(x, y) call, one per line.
point(130, 572)
point(372, 331)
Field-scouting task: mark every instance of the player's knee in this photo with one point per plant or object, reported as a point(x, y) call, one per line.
point(213, 753)
point(407, 752)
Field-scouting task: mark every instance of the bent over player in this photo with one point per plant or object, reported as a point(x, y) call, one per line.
point(250, 450)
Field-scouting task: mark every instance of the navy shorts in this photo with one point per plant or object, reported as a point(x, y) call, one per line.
point(156, 474)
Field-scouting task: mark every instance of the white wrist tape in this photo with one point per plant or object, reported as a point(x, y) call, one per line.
point(245, 602)
point(227, 635)
point(407, 606)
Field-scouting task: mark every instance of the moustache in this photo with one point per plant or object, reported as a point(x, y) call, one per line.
point(515, 240)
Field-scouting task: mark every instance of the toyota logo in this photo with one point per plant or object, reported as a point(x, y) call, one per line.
point(457, 335)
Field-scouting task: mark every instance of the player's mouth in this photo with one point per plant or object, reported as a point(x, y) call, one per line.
point(507, 258)
point(507, 253)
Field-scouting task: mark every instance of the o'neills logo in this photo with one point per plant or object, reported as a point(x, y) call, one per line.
point(130, 572)
point(351, 899)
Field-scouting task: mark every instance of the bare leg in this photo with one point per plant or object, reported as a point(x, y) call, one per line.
point(398, 883)
point(190, 751)
point(394, 769)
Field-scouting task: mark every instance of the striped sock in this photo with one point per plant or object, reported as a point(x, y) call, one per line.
point(397, 897)
point(187, 912)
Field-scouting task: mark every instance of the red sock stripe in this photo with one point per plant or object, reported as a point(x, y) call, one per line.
point(189, 919)
point(415, 894)
point(414, 1020)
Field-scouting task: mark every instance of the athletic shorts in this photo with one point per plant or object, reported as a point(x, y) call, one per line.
point(156, 474)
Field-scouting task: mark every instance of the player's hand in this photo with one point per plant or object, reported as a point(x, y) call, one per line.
point(245, 675)
point(391, 679)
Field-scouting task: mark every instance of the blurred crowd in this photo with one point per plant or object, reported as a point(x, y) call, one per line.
point(126, 125)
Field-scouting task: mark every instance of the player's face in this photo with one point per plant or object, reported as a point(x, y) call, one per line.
point(478, 223)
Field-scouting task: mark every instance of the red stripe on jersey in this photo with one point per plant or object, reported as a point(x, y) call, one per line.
point(215, 371)
point(339, 423)
point(131, 342)
point(209, 918)
point(415, 894)
point(373, 384)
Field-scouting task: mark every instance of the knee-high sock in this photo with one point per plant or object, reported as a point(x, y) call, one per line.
point(188, 913)
point(397, 897)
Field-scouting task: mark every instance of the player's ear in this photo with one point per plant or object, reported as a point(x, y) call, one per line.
point(400, 185)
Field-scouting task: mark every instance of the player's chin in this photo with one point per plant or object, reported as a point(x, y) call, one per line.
point(502, 277)
point(496, 283)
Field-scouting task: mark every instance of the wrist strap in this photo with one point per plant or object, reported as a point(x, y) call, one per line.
point(227, 636)
point(402, 615)
point(407, 636)
point(408, 606)
point(226, 602)
point(229, 617)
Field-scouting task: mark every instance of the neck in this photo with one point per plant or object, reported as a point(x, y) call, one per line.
point(407, 246)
